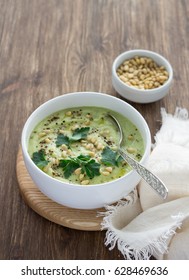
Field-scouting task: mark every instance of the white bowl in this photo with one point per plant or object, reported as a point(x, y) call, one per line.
point(77, 196)
point(140, 95)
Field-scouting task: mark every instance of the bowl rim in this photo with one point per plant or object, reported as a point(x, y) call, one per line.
point(145, 53)
point(71, 94)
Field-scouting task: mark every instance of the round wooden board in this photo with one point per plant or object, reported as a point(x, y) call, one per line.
point(62, 215)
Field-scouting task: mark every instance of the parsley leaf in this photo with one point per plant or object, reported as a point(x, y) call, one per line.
point(83, 158)
point(88, 166)
point(39, 159)
point(110, 157)
point(91, 168)
point(78, 134)
point(69, 166)
point(62, 139)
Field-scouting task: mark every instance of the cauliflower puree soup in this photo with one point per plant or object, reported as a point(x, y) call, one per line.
point(79, 145)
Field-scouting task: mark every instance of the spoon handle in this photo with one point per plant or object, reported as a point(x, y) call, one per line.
point(147, 175)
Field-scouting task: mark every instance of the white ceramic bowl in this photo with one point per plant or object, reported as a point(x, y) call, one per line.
point(77, 196)
point(140, 95)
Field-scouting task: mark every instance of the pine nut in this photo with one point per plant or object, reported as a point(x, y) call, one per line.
point(81, 176)
point(105, 173)
point(92, 154)
point(89, 146)
point(64, 154)
point(100, 146)
point(87, 122)
point(68, 113)
point(47, 140)
point(130, 137)
point(78, 171)
point(109, 169)
point(85, 182)
point(64, 147)
point(93, 140)
point(42, 134)
point(69, 152)
point(131, 150)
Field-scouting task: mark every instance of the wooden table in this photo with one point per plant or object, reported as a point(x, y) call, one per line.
point(49, 48)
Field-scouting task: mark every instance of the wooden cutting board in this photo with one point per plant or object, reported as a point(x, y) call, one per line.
point(62, 215)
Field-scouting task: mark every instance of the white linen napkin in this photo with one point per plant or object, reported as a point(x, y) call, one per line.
point(143, 224)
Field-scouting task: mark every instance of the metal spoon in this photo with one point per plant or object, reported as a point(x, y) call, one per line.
point(147, 175)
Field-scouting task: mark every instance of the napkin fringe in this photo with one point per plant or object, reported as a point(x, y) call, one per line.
point(112, 209)
point(180, 113)
point(173, 126)
point(112, 237)
point(160, 246)
point(156, 247)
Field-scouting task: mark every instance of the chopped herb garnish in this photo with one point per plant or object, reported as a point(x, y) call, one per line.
point(78, 134)
point(62, 139)
point(84, 158)
point(110, 157)
point(69, 166)
point(91, 168)
point(88, 166)
point(39, 159)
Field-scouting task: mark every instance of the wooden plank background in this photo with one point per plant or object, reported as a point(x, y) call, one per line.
point(48, 48)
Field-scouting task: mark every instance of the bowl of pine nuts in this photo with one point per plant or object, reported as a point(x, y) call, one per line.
point(142, 76)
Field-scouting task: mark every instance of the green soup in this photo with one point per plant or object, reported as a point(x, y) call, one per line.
point(79, 145)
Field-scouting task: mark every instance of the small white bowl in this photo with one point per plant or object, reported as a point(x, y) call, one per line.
point(73, 195)
point(141, 95)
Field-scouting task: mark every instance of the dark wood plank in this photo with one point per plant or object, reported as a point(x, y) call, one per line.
point(48, 48)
